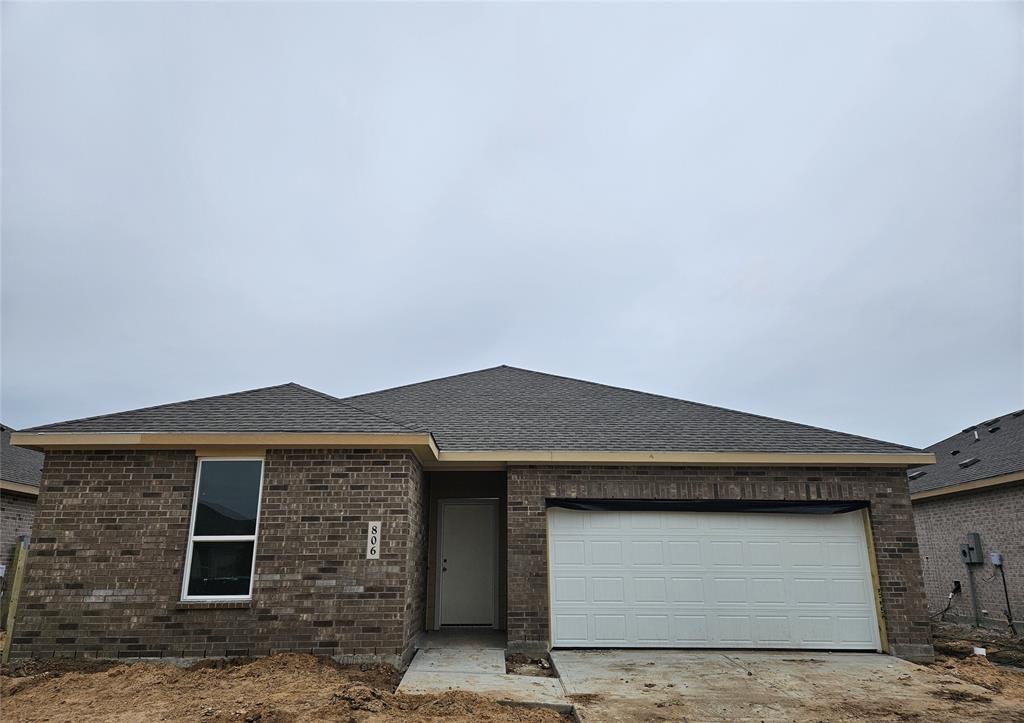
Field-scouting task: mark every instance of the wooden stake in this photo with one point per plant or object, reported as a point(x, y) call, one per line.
point(18, 563)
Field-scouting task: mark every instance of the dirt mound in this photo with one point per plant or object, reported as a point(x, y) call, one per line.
point(360, 696)
point(978, 670)
point(278, 689)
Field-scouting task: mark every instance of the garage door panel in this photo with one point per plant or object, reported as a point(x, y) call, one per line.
point(683, 579)
point(726, 553)
point(605, 552)
point(604, 521)
point(569, 552)
point(765, 554)
point(774, 629)
point(684, 552)
point(610, 628)
point(608, 589)
point(768, 590)
point(845, 554)
point(653, 629)
point(647, 552)
point(687, 590)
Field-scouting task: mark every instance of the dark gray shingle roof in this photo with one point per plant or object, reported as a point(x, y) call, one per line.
point(17, 464)
point(503, 408)
point(284, 408)
point(506, 408)
point(999, 450)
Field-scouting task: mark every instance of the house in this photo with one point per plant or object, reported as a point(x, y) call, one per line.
point(564, 512)
point(974, 495)
point(20, 472)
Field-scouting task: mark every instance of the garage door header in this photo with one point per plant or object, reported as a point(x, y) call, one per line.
point(768, 506)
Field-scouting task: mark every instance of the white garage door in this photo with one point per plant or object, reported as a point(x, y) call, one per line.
point(710, 580)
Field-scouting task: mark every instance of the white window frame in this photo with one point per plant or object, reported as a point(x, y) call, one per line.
point(185, 597)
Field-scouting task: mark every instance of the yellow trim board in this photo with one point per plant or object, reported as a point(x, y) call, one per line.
point(876, 585)
point(687, 458)
point(425, 448)
point(19, 487)
point(421, 444)
point(969, 486)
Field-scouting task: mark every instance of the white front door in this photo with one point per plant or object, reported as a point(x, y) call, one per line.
point(468, 561)
point(622, 579)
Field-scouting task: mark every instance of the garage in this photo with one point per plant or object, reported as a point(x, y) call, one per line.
point(663, 578)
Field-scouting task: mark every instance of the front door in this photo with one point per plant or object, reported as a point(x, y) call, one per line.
point(468, 561)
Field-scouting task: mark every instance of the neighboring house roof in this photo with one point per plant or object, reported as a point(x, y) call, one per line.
point(496, 410)
point(284, 408)
point(18, 465)
point(996, 444)
point(510, 408)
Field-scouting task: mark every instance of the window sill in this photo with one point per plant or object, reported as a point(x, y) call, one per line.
point(213, 604)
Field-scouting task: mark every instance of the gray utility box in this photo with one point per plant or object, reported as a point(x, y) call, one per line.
point(970, 552)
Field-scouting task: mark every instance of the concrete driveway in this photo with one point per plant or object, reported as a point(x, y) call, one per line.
point(654, 685)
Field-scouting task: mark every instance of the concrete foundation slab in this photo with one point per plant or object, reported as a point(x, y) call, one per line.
point(727, 685)
point(511, 688)
point(459, 661)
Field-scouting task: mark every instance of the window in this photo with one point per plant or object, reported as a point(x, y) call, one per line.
point(222, 536)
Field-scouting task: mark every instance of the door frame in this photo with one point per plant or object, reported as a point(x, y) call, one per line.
point(442, 503)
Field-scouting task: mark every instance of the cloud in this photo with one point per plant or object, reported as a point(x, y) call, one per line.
point(808, 211)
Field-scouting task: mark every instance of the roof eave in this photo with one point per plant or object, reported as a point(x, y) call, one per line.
point(903, 459)
point(422, 443)
point(426, 448)
point(19, 487)
point(971, 486)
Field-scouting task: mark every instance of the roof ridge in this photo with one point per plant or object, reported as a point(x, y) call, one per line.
point(332, 398)
point(44, 427)
point(711, 406)
point(429, 381)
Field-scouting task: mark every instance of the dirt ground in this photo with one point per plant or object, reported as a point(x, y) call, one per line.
point(959, 686)
point(519, 664)
point(278, 689)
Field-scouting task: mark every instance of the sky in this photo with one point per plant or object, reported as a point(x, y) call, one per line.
point(808, 211)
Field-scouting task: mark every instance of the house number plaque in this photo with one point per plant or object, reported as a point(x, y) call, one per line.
point(373, 541)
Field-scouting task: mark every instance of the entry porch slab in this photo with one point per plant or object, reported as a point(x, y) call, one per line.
point(480, 671)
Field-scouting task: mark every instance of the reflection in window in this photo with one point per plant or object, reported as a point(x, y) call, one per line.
point(222, 539)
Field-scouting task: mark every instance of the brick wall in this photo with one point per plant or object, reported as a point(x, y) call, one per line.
point(16, 514)
point(997, 514)
point(895, 541)
point(105, 567)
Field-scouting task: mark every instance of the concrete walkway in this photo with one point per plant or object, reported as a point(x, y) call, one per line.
point(481, 671)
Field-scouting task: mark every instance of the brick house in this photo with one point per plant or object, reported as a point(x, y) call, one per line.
point(566, 513)
point(975, 486)
point(20, 472)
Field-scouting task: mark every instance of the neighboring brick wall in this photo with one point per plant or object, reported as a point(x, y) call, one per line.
point(16, 513)
point(899, 568)
point(997, 514)
point(105, 566)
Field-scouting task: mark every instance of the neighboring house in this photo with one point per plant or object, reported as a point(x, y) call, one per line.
point(567, 513)
point(20, 472)
point(975, 486)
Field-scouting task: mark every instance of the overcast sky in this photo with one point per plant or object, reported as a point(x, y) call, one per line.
point(812, 212)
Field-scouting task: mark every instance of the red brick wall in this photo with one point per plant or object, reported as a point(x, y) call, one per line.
point(997, 514)
point(105, 567)
point(16, 514)
point(895, 541)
